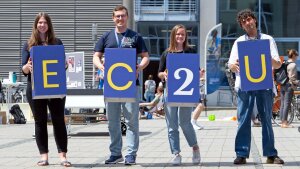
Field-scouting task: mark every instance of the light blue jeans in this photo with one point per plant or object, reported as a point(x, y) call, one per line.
point(264, 101)
point(131, 114)
point(149, 96)
point(176, 116)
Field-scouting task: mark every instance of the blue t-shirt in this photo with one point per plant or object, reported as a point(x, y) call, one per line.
point(131, 40)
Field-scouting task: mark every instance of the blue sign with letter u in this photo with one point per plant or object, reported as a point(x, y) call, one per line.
point(255, 65)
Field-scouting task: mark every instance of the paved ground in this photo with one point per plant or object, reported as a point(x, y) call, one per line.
point(88, 146)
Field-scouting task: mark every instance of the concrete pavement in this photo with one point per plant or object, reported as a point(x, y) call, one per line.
point(89, 146)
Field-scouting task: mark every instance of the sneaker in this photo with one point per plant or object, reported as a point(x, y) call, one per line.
point(176, 160)
point(256, 124)
point(114, 159)
point(196, 126)
point(130, 160)
point(274, 160)
point(196, 157)
point(239, 160)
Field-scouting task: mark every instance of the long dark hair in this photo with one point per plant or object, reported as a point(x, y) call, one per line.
point(35, 36)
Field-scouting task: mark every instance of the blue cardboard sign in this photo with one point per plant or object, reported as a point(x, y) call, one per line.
point(49, 73)
point(183, 79)
point(120, 75)
point(255, 65)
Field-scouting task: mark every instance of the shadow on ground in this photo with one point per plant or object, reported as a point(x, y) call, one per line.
point(93, 134)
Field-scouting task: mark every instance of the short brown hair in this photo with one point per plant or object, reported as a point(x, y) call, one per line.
point(120, 8)
point(291, 53)
point(244, 14)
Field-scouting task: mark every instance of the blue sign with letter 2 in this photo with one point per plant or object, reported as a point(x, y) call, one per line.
point(183, 79)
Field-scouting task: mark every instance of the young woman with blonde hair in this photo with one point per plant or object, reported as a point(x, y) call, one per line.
point(176, 116)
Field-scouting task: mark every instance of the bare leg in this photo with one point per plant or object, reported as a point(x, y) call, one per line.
point(195, 115)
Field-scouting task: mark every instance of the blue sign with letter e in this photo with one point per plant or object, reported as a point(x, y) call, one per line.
point(255, 65)
point(49, 72)
point(183, 79)
point(120, 75)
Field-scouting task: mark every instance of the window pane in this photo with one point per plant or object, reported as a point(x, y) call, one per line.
point(284, 46)
point(157, 35)
point(279, 18)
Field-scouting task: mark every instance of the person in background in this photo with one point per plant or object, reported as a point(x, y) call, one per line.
point(178, 115)
point(264, 98)
point(100, 76)
point(43, 35)
point(255, 116)
point(287, 90)
point(200, 107)
point(122, 37)
point(153, 107)
point(150, 87)
point(214, 44)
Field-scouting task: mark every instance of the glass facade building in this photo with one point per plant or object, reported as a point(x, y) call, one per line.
point(277, 18)
point(155, 18)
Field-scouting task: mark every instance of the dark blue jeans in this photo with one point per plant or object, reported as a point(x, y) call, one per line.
point(264, 100)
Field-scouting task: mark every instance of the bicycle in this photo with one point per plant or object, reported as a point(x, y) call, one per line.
point(18, 95)
point(296, 108)
point(231, 81)
point(294, 111)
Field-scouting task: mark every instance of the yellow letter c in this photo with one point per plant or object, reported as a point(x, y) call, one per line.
point(109, 79)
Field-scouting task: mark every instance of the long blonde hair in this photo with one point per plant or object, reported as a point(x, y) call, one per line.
point(35, 37)
point(172, 47)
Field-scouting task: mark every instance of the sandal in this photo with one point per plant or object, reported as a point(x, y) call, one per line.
point(43, 163)
point(286, 126)
point(65, 163)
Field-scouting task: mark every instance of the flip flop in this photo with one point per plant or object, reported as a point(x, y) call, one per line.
point(286, 126)
point(65, 163)
point(43, 163)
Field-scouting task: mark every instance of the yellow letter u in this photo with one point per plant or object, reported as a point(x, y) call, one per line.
point(263, 67)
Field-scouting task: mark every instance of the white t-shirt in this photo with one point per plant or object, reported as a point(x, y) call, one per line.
point(234, 55)
point(150, 86)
